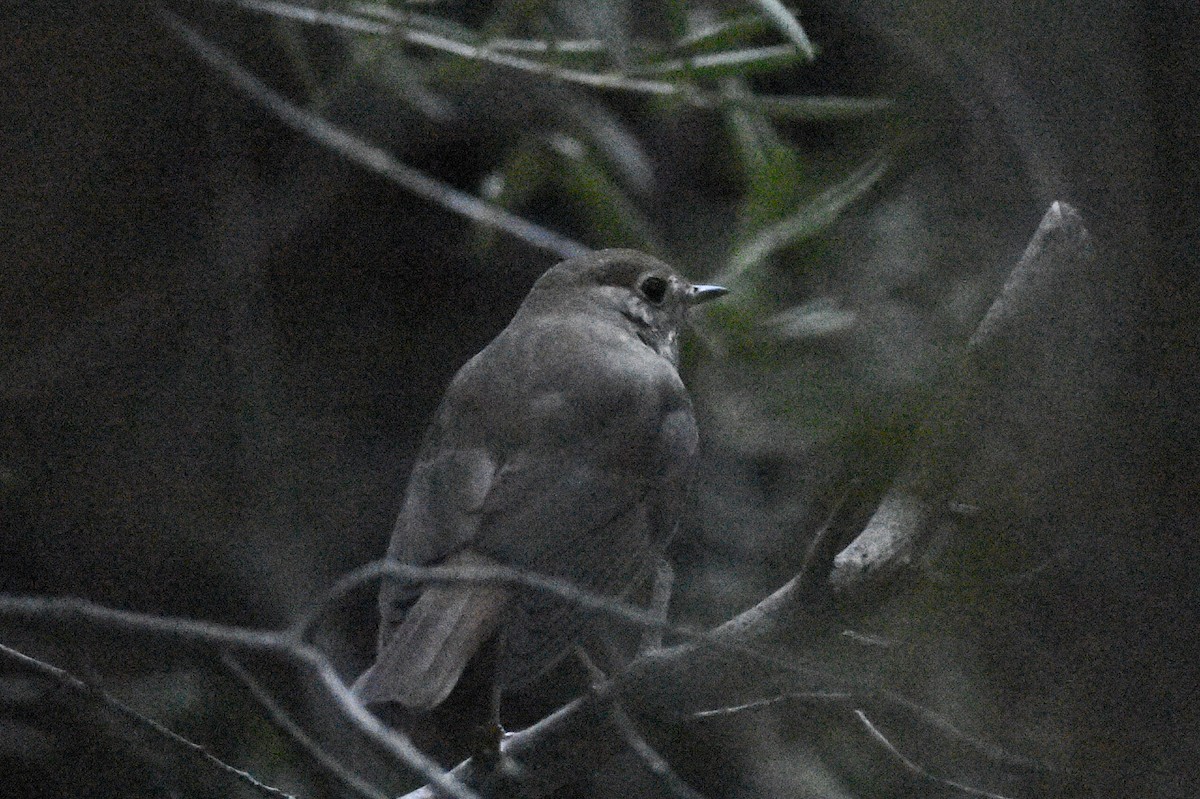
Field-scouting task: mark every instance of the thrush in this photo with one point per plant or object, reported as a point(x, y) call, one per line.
point(565, 448)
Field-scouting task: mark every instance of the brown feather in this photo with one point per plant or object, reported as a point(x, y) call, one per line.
point(426, 653)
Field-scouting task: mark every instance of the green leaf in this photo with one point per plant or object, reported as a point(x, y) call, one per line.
point(806, 221)
point(524, 172)
point(567, 53)
point(814, 109)
point(613, 218)
point(675, 14)
point(728, 63)
point(723, 35)
point(818, 318)
point(788, 25)
point(773, 171)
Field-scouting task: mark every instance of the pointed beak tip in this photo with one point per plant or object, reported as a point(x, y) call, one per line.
point(701, 293)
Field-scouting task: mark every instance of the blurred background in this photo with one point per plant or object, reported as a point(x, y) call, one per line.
point(224, 333)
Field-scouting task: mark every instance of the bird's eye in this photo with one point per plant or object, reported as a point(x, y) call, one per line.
point(654, 288)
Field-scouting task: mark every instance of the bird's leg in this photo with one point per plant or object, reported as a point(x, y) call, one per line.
point(660, 601)
point(494, 717)
point(491, 733)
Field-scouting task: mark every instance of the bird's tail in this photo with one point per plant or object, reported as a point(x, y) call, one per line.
point(427, 652)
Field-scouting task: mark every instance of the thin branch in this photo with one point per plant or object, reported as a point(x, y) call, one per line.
point(365, 154)
point(654, 762)
point(615, 608)
point(838, 697)
point(669, 682)
point(400, 745)
point(312, 16)
point(824, 545)
point(400, 27)
point(70, 610)
point(420, 575)
point(813, 109)
point(193, 752)
point(556, 47)
point(723, 64)
point(917, 769)
point(281, 719)
point(809, 219)
point(500, 53)
point(666, 681)
point(922, 714)
point(673, 683)
point(227, 638)
point(944, 726)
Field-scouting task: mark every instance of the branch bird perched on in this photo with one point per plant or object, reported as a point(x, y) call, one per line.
point(564, 448)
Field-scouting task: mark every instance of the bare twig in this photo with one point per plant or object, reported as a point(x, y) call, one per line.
point(239, 639)
point(193, 752)
point(281, 719)
point(73, 611)
point(824, 545)
point(384, 21)
point(401, 746)
point(671, 683)
point(675, 683)
point(1002, 426)
point(859, 699)
point(758, 704)
point(418, 575)
point(368, 155)
point(614, 608)
point(654, 762)
point(399, 25)
point(946, 728)
point(917, 769)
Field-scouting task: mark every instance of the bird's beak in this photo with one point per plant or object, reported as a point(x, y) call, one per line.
point(699, 294)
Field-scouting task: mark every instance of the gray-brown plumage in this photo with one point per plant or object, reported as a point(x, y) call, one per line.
point(565, 447)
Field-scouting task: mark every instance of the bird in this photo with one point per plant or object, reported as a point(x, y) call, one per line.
point(565, 448)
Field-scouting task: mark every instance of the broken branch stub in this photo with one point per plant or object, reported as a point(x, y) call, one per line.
point(1013, 418)
point(1031, 377)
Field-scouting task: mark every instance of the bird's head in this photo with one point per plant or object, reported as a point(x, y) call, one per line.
point(626, 285)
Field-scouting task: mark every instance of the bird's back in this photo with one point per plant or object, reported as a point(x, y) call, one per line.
point(578, 474)
point(565, 448)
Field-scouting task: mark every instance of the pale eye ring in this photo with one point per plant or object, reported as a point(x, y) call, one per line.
point(653, 288)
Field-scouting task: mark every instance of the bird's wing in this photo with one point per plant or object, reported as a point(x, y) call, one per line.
point(591, 523)
point(582, 484)
point(428, 633)
point(569, 508)
point(420, 661)
point(446, 493)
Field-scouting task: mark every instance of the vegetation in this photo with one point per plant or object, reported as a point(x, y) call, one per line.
point(897, 577)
